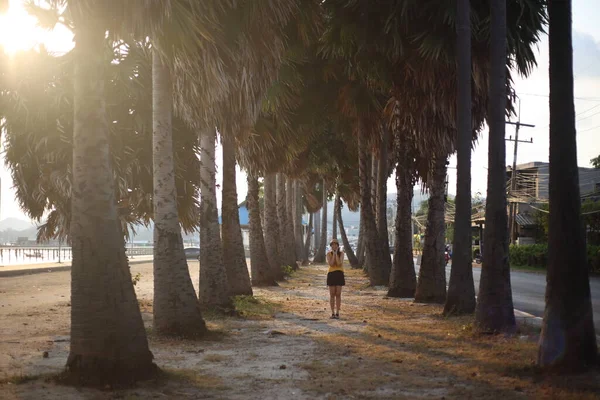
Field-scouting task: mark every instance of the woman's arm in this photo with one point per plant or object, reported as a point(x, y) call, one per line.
point(341, 256)
point(330, 259)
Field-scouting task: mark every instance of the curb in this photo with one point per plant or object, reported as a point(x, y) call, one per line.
point(52, 268)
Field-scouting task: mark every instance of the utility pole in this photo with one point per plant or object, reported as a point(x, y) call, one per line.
point(513, 175)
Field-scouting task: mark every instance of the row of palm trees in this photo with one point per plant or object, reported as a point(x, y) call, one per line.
point(319, 99)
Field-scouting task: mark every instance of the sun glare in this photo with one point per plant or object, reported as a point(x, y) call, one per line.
point(19, 31)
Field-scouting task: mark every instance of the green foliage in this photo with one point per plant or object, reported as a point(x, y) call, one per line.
point(287, 270)
point(136, 278)
point(254, 307)
point(536, 255)
point(596, 162)
point(591, 218)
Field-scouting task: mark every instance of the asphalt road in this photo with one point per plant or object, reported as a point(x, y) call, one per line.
point(529, 290)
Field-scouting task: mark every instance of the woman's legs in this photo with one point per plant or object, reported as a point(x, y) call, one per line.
point(332, 294)
point(338, 296)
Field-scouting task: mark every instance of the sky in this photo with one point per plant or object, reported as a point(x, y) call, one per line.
point(18, 31)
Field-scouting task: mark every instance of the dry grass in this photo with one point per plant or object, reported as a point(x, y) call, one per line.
point(402, 349)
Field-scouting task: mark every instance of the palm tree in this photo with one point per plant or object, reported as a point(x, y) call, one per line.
point(271, 230)
point(176, 308)
point(259, 262)
point(461, 289)
point(214, 287)
point(290, 197)
point(234, 255)
point(286, 231)
point(108, 339)
point(431, 286)
point(568, 339)
point(320, 251)
point(494, 311)
point(403, 277)
point(381, 208)
point(336, 205)
point(298, 207)
point(347, 248)
point(309, 233)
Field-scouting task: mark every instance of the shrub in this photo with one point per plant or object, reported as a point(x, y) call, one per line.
point(536, 255)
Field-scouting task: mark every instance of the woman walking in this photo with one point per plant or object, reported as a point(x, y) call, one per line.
point(335, 277)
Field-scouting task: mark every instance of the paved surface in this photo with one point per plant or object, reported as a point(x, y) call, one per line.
point(529, 291)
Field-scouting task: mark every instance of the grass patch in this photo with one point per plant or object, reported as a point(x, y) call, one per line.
point(195, 378)
point(20, 379)
point(287, 270)
point(252, 307)
point(215, 358)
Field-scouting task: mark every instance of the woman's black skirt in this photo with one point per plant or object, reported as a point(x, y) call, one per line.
point(336, 278)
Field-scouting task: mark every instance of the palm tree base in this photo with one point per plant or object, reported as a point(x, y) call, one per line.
point(430, 298)
point(188, 331)
point(401, 292)
point(94, 370)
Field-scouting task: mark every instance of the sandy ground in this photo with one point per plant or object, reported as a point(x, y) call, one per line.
point(381, 348)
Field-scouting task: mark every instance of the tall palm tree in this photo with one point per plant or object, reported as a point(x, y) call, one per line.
point(309, 235)
point(108, 339)
point(568, 339)
point(336, 205)
point(431, 285)
point(381, 199)
point(234, 255)
point(290, 196)
point(214, 287)
point(259, 262)
point(494, 311)
point(298, 228)
point(347, 248)
point(321, 250)
point(176, 308)
point(403, 277)
point(271, 230)
point(461, 290)
point(286, 232)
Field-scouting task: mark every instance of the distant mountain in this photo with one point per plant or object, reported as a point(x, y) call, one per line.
point(15, 224)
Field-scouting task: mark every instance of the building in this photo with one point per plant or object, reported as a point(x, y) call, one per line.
point(532, 181)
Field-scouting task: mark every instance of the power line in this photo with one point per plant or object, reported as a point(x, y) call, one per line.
point(589, 129)
point(577, 98)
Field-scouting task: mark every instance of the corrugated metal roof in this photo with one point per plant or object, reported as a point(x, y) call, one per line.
point(525, 220)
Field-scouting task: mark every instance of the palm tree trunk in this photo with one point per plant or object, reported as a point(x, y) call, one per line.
point(360, 244)
point(334, 217)
point(321, 250)
point(461, 290)
point(259, 262)
point(272, 226)
point(298, 208)
point(214, 287)
point(381, 216)
point(431, 286)
point(403, 280)
point(290, 195)
point(317, 230)
point(234, 256)
point(308, 237)
point(176, 308)
point(494, 311)
point(373, 184)
point(288, 249)
point(377, 275)
point(108, 340)
point(347, 248)
point(568, 340)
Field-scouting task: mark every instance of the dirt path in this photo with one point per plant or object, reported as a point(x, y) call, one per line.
point(285, 347)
